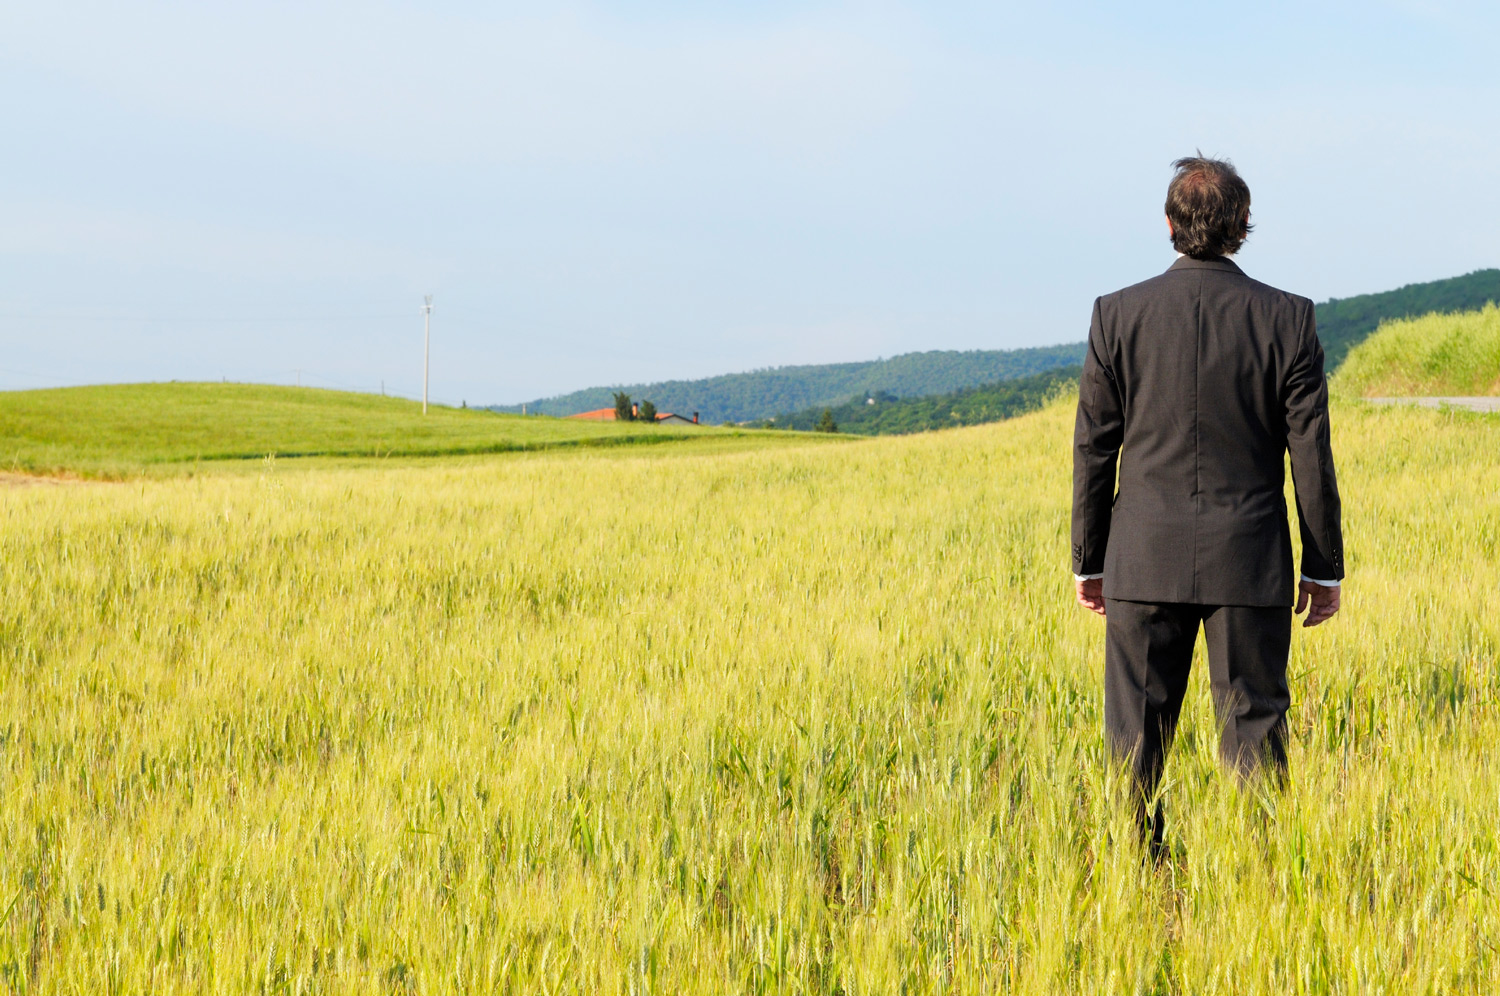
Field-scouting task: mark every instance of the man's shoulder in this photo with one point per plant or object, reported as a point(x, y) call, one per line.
point(1176, 282)
point(1149, 288)
point(1276, 295)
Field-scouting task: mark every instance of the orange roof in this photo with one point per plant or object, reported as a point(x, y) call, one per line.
point(608, 415)
point(597, 415)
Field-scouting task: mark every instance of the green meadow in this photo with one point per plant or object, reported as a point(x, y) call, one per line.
point(123, 430)
point(745, 717)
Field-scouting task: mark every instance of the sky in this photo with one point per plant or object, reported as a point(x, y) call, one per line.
point(611, 193)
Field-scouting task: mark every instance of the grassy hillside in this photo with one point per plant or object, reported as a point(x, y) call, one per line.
point(761, 394)
point(791, 720)
point(1440, 354)
point(884, 415)
point(1344, 324)
point(127, 428)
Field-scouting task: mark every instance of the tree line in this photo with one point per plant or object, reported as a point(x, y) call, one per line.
point(760, 394)
point(881, 413)
point(791, 392)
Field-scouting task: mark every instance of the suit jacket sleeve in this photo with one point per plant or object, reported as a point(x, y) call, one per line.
point(1097, 433)
point(1318, 507)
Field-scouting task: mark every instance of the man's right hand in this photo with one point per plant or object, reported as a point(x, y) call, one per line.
point(1318, 600)
point(1090, 592)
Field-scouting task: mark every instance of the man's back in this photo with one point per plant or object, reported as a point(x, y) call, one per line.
point(1201, 378)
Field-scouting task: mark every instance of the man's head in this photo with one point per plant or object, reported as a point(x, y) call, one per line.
point(1208, 208)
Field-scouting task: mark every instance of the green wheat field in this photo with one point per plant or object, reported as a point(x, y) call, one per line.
point(748, 715)
point(1437, 354)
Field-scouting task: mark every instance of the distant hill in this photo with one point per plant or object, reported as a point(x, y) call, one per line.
point(760, 394)
point(1344, 324)
point(124, 429)
point(883, 414)
point(1439, 354)
point(1404, 357)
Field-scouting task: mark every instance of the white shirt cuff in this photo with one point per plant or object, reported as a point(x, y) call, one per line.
point(1326, 584)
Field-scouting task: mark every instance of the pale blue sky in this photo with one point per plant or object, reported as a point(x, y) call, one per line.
point(601, 193)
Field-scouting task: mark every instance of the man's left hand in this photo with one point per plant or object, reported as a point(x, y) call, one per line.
point(1091, 594)
point(1319, 601)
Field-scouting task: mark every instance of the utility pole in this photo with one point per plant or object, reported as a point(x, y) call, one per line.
point(426, 345)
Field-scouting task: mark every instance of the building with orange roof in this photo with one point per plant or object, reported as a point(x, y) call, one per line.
point(608, 415)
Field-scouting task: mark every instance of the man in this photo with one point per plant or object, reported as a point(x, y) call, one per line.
point(1197, 382)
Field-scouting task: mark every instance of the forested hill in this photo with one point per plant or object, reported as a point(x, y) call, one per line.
point(884, 415)
point(760, 394)
point(1341, 326)
point(1344, 324)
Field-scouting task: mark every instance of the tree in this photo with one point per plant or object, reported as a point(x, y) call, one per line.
point(826, 422)
point(648, 412)
point(623, 412)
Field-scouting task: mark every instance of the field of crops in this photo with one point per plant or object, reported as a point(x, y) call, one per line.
point(816, 719)
point(1455, 354)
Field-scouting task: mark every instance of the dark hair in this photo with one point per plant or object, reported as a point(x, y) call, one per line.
point(1209, 207)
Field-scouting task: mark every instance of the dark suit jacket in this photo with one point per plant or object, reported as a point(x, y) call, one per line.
point(1198, 381)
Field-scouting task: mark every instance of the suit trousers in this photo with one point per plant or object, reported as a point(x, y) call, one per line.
point(1148, 653)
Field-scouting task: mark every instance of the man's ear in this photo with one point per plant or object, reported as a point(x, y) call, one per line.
point(1172, 231)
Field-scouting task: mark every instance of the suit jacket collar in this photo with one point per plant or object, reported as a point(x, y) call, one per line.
point(1212, 263)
